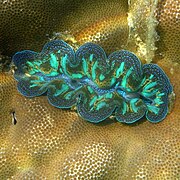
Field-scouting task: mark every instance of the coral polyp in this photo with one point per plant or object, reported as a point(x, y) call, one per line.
point(99, 86)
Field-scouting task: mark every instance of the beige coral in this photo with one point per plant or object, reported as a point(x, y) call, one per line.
point(52, 143)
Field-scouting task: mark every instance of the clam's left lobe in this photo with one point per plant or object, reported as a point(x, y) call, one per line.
point(99, 86)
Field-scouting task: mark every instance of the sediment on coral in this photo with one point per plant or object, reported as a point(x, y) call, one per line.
point(142, 24)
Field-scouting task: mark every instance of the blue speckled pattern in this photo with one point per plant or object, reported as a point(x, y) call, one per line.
point(97, 85)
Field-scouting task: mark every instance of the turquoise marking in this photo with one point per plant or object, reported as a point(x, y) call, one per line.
point(63, 64)
point(109, 95)
point(85, 66)
point(100, 105)
point(53, 61)
point(78, 76)
point(158, 101)
point(150, 85)
point(91, 57)
point(33, 85)
point(59, 51)
point(119, 71)
point(53, 73)
point(117, 84)
point(153, 109)
point(60, 70)
point(32, 72)
point(100, 97)
point(161, 94)
point(68, 95)
point(91, 103)
point(63, 89)
point(30, 64)
point(41, 78)
point(129, 72)
point(113, 80)
point(151, 76)
point(90, 89)
point(124, 110)
point(101, 77)
point(36, 83)
point(94, 70)
point(133, 106)
point(124, 80)
point(149, 93)
point(38, 63)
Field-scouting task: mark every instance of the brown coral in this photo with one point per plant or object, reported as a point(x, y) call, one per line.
point(27, 25)
point(49, 143)
point(168, 16)
point(54, 143)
